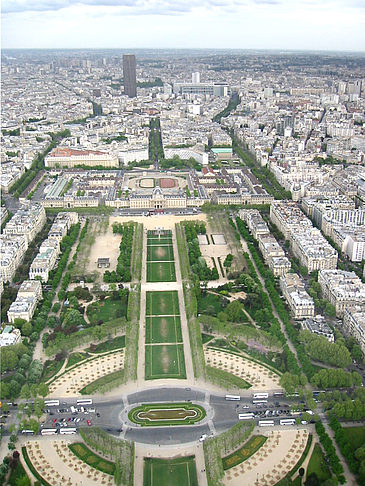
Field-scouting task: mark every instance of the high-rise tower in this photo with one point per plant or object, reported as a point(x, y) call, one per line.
point(129, 75)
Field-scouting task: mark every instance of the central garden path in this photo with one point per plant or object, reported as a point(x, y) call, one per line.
point(161, 355)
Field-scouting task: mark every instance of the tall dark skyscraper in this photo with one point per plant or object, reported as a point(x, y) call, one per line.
point(129, 75)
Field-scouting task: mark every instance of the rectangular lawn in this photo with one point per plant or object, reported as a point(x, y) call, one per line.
point(161, 272)
point(165, 303)
point(165, 472)
point(159, 241)
point(165, 361)
point(163, 329)
point(160, 253)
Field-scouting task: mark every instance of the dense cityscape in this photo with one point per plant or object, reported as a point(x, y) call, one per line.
point(182, 268)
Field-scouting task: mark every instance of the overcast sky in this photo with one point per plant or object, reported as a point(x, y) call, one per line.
point(246, 24)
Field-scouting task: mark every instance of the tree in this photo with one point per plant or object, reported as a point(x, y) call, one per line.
point(25, 392)
point(312, 480)
point(9, 358)
point(330, 310)
point(27, 329)
point(234, 311)
point(356, 352)
point(43, 390)
point(23, 481)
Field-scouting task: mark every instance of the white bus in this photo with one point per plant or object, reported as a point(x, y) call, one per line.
point(27, 432)
point(246, 416)
point(259, 402)
point(84, 401)
point(48, 431)
point(51, 403)
point(278, 394)
point(266, 423)
point(68, 430)
point(233, 397)
point(287, 422)
point(260, 395)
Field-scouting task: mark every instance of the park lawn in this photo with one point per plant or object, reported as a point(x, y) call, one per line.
point(107, 310)
point(51, 368)
point(356, 436)
point(161, 272)
point(318, 465)
point(16, 474)
point(165, 361)
point(110, 345)
point(165, 472)
point(89, 457)
point(164, 303)
point(206, 337)
point(159, 241)
point(160, 253)
point(76, 358)
point(163, 330)
point(246, 451)
point(212, 304)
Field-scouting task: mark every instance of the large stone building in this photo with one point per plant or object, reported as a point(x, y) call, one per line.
point(67, 157)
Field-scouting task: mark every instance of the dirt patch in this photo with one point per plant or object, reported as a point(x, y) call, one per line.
point(165, 361)
point(164, 328)
point(160, 252)
point(147, 183)
point(167, 183)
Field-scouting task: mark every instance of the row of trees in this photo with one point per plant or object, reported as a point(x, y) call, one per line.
point(263, 174)
point(155, 147)
point(349, 405)
point(18, 359)
point(198, 264)
point(122, 451)
point(38, 163)
point(355, 459)
point(234, 101)
point(330, 451)
point(270, 285)
point(335, 378)
point(123, 270)
point(320, 349)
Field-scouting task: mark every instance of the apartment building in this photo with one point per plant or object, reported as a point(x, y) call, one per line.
point(354, 324)
point(46, 259)
point(27, 221)
point(25, 304)
point(300, 303)
point(12, 251)
point(10, 336)
point(313, 250)
point(318, 326)
point(343, 289)
point(288, 218)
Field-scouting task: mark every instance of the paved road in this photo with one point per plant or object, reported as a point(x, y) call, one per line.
point(221, 414)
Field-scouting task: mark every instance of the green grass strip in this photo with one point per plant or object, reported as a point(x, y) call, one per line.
point(91, 459)
point(32, 468)
point(244, 452)
point(225, 379)
point(112, 380)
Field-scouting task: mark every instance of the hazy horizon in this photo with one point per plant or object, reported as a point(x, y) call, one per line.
point(304, 25)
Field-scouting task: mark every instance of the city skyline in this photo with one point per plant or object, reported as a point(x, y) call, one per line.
point(252, 24)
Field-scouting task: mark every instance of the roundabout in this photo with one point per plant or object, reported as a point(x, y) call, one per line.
point(167, 414)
